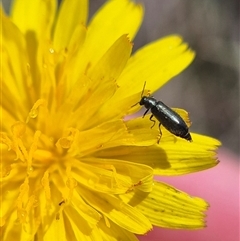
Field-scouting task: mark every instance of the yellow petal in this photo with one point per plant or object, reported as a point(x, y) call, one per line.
point(106, 135)
point(78, 228)
point(113, 61)
point(141, 129)
point(83, 88)
point(75, 44)
point(126, 16)
point(34, 18)
point(168, 207)
point(186, 157)
point(15, 75)
point(11, 231)
point(57, 230)
point(108, 66)
point(119, 107)
point(117, 211)
point(109, 233)
point(112, 176)
point(71, 14)
point(65, 74)
point(173, 155)
point(155, 63)
point(88, 213)
point(65, 195)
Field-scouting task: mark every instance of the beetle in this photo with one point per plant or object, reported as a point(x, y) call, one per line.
point(166, 116)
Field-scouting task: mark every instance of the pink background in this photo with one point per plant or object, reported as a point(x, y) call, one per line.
point(220, 187)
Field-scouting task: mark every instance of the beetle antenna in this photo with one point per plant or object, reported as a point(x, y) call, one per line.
point(143, 88)
point(141, 93)
point(134, 104)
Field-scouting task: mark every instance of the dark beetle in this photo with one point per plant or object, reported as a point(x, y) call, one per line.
point(167, 117)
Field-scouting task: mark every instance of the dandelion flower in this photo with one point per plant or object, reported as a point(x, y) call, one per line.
point(73, 167)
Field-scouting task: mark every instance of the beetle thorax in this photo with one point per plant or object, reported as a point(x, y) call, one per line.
point(148, 102)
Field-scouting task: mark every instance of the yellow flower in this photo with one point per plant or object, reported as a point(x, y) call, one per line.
point(72, 166)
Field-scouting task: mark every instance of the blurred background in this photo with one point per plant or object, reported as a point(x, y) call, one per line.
point(209, 88)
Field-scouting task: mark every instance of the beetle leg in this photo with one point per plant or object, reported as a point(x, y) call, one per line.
point(145, 113)
point(152, 121)
point(160, 133)
point(159, 138)
point(160, 128)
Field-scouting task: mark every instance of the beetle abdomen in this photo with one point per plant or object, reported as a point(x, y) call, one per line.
point(171, 120)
